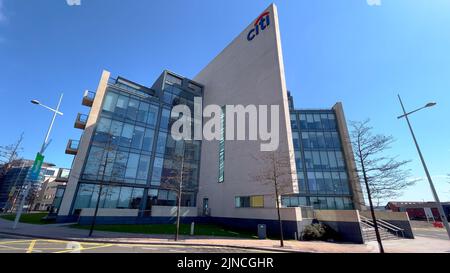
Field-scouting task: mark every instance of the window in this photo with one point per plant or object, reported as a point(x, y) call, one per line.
point(303, 122)
point(142, 173)
point(305, 140)
point(50, 172)
point(84, 196)
point(313, 140)
point(138, 136)
point(124, 198)
point(332, 159)
point(121, 107)
point(152, 115)
point(301, 182)
point(329, 143)
point(136, 198)
point(336, 140)
point(242, 202)
point(296, 141)
point(170, 79)
point(331, 121)
point(127, 135)
point(257, 201)
point(344, 183)
point(316, 160)
point(93, 163)
point(112, 197)
point(133, 160)
point(161, 142)
point(324, 120)
point(312, 184)
point(324, 160)
point(107, 164)
point(320, 140)
point(157, 170)
point(319, 182)
point(294, 122)
point(120, 164)
point(221, 175)
point(327, 183)
point(310, 121)
point(133, 107)
point(103, 125)
point(309, 160)
point(317, 124)
point(165, 117)
point(110, 102)
point(340, 160)
point(147, 143)
point(336, 182)
point(142, 112)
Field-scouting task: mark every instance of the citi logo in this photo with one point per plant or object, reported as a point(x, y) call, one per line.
point(261, 24)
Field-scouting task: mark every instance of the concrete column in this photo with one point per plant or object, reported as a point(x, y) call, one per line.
point(355, 184)
point(83, 148)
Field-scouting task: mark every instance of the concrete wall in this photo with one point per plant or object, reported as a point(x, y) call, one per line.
point(78, 162)
point(399, 219)
point(345, 222)
point(109, 212)
point(162, 211)
point(355, 184)
point(244, 73)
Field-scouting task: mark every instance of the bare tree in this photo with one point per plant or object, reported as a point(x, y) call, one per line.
point(277, 172)
point(383, 176)
point(107, 160)
point(9, 155)
point(175, 180)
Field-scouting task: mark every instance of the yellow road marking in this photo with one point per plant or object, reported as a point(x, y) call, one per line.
point(84, 248)
point(30, 248)
point(15, 242)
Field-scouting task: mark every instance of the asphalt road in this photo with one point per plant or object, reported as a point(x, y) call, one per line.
point(15, 244)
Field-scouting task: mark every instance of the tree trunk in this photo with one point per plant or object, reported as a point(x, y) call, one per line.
point(279, 216)
point(372, 211)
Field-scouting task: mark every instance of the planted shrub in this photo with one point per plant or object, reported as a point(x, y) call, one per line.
point(319, 232)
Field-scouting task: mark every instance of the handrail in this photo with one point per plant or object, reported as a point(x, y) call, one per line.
point(384, 224)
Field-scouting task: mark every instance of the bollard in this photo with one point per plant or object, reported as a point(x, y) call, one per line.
point(192, 228)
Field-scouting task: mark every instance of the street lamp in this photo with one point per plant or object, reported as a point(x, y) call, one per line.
point(40, 156)
point(433, 190)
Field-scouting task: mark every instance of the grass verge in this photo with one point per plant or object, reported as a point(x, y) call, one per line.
point(200, 229)
point(29, 218)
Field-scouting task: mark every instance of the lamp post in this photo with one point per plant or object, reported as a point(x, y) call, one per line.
point(433, 190)
point(39, 158)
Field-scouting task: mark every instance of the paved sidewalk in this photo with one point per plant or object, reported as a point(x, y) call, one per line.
point(62, 232)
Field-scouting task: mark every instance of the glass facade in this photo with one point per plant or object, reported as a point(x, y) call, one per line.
point(321, 168)
point(131, 149)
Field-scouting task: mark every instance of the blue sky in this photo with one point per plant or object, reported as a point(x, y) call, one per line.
point(349, 51)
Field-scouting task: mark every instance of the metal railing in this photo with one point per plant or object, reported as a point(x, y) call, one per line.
point(386, 225)
point(73, 144)
point(89, 95)
point(82, 118)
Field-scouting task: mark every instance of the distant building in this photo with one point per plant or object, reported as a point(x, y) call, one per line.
point(15, 179)
point(53, 179)
point(420, 210)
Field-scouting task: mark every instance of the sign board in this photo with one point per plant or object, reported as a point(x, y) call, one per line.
point(36, 169)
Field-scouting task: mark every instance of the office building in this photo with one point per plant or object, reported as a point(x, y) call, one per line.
point(127, 151)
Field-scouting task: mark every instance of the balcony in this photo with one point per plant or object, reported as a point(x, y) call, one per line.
point(88, 98)
point(72, 147)
point(81, 121)
point(63, 175)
